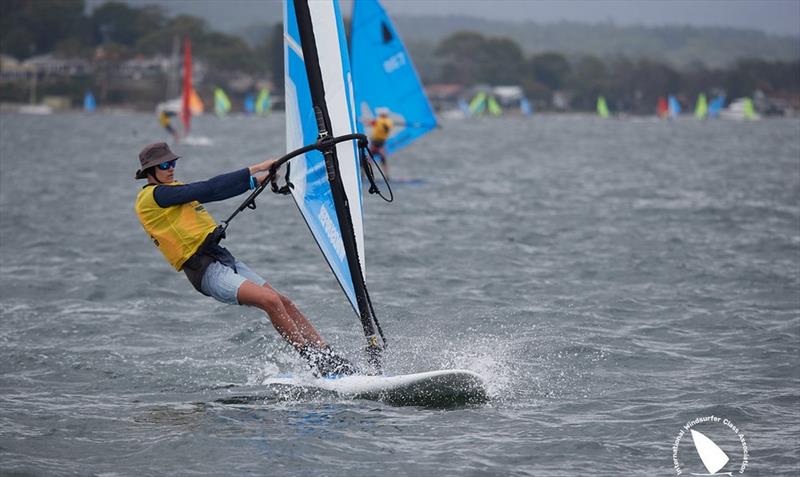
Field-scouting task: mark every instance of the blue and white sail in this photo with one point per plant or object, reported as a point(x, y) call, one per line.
point(319, 104)
point(384, 76)
point(674, 106)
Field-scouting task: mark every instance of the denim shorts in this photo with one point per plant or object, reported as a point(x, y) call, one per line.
point(222, 283)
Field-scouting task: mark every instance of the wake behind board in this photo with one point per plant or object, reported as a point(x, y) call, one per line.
point(443, 388)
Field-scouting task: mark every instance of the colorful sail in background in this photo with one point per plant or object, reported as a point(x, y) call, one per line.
point(263, 102)
point(222, 104)
point(716, 106)
point(493, 107)
point(483, 103)
point(525, 107)
point(674, 107)
point(701, 108)
point(89, 104)
point(384, 76)
point(250, 103)
point(749, 109)
point(186, 98)
point(478, 104)
point(602, 107)
point(662, 110)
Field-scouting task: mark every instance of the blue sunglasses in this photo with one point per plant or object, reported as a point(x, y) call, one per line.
point(167, 165)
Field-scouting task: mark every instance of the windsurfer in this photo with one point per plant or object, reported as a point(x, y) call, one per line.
point(165, 119)
point(381, 130)
point(173, 216)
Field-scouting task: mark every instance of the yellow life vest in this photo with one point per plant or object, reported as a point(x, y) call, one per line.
point(178, 230)
point(381, 128)
point(163, 119)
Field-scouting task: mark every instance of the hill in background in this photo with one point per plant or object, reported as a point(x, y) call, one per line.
point(680, 46)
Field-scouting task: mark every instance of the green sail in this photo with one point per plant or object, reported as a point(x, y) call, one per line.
point(749, 110)
point(602, 108)
point(494, 108)
point(701, 109)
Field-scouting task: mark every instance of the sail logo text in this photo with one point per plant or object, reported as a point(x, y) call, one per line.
point(331, 232)
point(711, 455)
point(394, 62)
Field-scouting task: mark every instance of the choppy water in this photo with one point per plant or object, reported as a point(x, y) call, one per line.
point(612, 280)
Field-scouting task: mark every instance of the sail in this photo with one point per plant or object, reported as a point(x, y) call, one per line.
point(712, 456)
point(525, 107)
point(494, 108)
point(477, 104)
point(320, 103)
point(222, 104)
point(186, 112)
point(250, 103)
point(716, 106)
point(263, 102)
point(662, 110)
point(749, 110)
point(602, 107)
point(384, 76)
point(701, 108)
point(674, 106)
point(89, 104)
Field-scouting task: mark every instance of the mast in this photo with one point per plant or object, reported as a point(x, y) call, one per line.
point(340, 199)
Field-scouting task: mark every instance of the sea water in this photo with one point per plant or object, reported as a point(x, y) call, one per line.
point(616, 283)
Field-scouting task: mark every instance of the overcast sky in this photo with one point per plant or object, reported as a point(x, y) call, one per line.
point(772, 16)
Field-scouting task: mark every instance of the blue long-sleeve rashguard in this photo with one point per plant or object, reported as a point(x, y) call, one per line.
point(221, 187)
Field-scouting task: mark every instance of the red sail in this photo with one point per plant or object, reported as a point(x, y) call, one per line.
point(186, 112)
point(662, 109)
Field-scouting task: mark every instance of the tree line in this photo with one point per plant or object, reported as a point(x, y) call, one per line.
point(121, 31)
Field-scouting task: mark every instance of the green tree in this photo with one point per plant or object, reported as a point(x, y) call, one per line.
point(33, 27)
point(549, 69)
point(460, 54)
point(116, 22)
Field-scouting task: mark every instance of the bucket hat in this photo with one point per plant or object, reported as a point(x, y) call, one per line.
point(152, 155)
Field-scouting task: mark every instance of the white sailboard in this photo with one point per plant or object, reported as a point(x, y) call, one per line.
point(443, 388)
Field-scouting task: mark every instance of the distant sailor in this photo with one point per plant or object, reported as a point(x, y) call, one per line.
point(381, 129)
point(165, 119)
point(173, 216)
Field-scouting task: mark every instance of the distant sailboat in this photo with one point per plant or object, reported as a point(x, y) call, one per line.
point(701, 108)
point(742, 109)
point(525, 107)
point(483, 103)
point(662, 110)
point(714, 459)
point(263, 102)
point(602, 107)
point(477, 104)
point(493, 107)
point(250, 103)
point(191, 104)
point(89, 104)
point(674, 107)
point(716, 105)
point(384, 77)
point(222, 104)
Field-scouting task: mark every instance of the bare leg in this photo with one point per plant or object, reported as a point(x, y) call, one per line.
point(310, 333)
point(270, 301)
